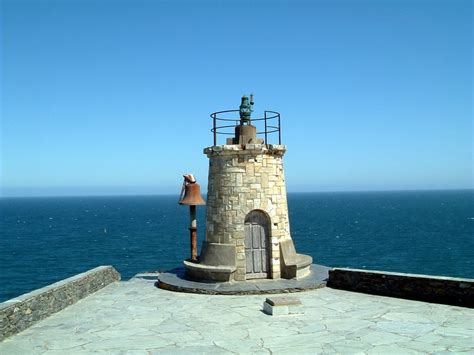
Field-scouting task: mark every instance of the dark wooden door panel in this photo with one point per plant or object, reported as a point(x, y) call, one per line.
point(256, 241)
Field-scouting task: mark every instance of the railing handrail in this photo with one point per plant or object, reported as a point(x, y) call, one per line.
point(268, 128)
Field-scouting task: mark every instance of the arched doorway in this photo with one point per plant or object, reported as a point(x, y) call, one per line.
point(257, 242)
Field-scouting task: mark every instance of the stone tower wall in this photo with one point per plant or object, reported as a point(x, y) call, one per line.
point(242, 179)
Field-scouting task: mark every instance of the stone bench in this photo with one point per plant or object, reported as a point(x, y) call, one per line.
point(216, 263)
point(203, 272)
point(293, 265)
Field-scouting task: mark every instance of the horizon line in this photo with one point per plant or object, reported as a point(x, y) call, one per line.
point(288, 192)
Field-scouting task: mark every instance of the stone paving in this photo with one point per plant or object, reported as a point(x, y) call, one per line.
point(134, 317)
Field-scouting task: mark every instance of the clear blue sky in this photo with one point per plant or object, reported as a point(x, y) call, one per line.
point(114, 97)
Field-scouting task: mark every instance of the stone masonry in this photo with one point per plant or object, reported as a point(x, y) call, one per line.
point(243, 178)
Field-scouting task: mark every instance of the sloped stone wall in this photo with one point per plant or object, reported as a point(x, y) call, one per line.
point(243, 178)
point(20, 313)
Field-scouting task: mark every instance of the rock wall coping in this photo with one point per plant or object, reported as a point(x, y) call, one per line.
point(435, 289)
point(21, 312)
point(232, 149)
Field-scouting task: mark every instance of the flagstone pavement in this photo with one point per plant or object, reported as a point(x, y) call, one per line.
point(135, 317)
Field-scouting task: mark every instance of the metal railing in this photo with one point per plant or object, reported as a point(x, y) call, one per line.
point(271, 124)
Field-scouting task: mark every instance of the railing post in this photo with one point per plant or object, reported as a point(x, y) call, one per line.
point(214, 129)
point(265, 116)
point(279, 130)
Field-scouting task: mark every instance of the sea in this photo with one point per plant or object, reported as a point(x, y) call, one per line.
point(47, 239)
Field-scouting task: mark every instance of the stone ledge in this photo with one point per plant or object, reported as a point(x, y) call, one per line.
point(435, 289)
point(176, 280)
point(21, 312)
point(232, 149)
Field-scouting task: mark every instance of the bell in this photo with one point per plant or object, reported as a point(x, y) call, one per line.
point(192, 195)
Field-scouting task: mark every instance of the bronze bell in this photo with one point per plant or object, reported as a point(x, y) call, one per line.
point(192, 195)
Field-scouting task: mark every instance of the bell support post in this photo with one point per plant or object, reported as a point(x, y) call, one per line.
point(193, 232)
point(191, 198)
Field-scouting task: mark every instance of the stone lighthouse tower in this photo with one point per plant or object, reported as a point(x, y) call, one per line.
point(247, 225)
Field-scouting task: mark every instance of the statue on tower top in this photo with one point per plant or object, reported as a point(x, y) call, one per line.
point(245, 109)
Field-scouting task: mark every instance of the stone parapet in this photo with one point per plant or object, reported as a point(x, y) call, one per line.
point(20, 313)
point(232, 149)
point(435, 289)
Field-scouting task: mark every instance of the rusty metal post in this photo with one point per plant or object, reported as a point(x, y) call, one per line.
point(193, 232)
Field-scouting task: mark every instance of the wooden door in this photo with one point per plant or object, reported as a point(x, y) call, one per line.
point(256, 245)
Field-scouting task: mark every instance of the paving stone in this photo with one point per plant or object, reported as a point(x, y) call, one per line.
point(353, 346)
point(313, 328)
point(270, 331)
point(410, 317)
point(455, 332)
point(391, 349)
point(405, 328)
point(381, 338)
point(423, 346)
point(240, 346)
point(191, 349)
point(301, 340)
point(341, 324)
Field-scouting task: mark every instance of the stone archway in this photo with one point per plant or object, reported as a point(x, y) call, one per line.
point(257, 245)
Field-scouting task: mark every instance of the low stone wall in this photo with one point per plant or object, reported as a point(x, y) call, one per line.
point(436, 289)
point(19, 313)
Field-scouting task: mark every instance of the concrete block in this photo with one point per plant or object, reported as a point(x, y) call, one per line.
point(278, 306)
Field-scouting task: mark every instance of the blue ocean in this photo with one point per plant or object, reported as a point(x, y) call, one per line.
point(44, 240)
